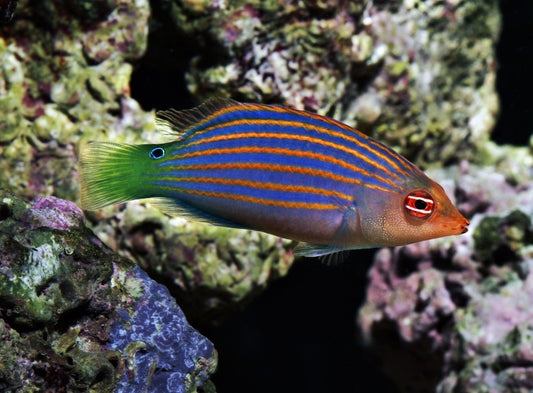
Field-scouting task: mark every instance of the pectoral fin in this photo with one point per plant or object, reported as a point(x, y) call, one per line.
point(315, 250)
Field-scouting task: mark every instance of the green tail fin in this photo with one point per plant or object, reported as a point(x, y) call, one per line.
point(113, 173)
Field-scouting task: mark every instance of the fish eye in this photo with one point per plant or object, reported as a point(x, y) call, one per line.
point(419, 204)
point(157, 152)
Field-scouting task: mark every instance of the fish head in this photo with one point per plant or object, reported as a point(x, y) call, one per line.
point(422, 212)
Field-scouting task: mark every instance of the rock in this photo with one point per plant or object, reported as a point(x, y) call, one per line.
point(418, 76)
point(452, 314)
point(74, 315)
point(70, 84)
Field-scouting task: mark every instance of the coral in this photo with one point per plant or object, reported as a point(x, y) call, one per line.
point(456, 310)
point(74, 316)
point(418, 75)
point(69, 85)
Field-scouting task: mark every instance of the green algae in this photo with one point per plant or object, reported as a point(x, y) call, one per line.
point(500, 239)
point(72, 81)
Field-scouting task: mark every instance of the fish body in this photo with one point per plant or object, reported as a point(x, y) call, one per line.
point(286, 172)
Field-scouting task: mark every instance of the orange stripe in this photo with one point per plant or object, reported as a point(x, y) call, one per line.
point(256, 184)
point(299, 138)
point(263, 201)
point(312, 115)
point(326, 130)
point(406, 173)
point(289, 123)
point(297, 153)
point(278, 168)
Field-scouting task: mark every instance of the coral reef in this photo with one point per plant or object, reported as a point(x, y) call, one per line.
point(360, 61)
point(69, 85)
point(418, 75)
point(74, 316)
point(69, 82)
point(210, 270)
point(456, 311)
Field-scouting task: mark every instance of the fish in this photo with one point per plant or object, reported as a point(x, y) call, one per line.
point(290, 173)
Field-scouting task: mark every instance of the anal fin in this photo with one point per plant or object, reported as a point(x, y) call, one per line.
point(176, 207)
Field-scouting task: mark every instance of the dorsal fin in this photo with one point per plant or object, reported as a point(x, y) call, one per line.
point(176, 122)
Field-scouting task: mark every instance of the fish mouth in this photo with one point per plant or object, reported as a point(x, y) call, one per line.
point(464, 227)
point(455, 226)
point(461, 226)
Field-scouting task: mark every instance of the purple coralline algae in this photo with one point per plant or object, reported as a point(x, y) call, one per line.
point(75, 316)
point(54, 213)
point(454, 315)
point(163, 352)
point(418, 75)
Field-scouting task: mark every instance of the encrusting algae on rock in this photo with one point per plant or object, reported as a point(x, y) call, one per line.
point(455, 313)
point(75, 316)
point(78, 63)
point(417, 75)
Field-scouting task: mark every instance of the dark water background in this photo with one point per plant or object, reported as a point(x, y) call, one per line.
point(299, 336)
point(514, 81)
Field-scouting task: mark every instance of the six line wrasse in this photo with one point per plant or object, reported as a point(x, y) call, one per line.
point(290, 173)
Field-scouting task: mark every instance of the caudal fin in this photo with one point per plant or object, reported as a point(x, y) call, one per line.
point(113, 173)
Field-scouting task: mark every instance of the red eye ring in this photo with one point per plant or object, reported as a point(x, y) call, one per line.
point(419, 204)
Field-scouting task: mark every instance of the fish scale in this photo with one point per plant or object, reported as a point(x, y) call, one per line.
point(291, 173)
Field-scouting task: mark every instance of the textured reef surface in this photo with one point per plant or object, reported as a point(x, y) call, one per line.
point(451, 314)
point(454, 315)
point(395, 69)
point(418, 75)
point(71, 84)
point(75, 316)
